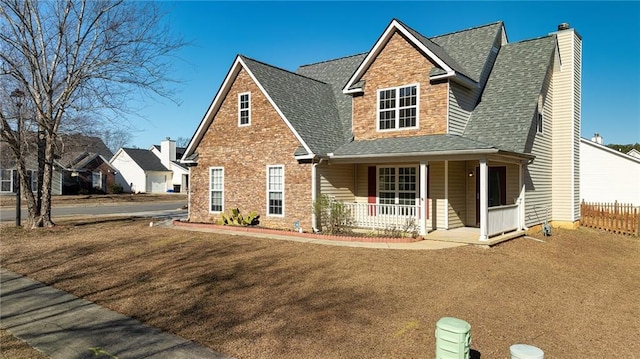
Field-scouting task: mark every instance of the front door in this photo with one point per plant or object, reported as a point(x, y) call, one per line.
point(497, 189)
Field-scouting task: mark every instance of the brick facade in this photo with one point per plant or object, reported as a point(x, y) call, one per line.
point(400, 63)
point(245, 152)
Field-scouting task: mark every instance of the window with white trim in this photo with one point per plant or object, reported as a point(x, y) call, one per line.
point(398, 108)
point(244, 109)
point(216, 188)
point(275, 190)
point(6, 181)
point(96, 179)
point(397, 185)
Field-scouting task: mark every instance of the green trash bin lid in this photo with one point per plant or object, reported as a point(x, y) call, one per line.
point(453, 325)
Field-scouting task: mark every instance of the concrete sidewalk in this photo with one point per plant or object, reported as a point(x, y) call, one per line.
point(64, 326)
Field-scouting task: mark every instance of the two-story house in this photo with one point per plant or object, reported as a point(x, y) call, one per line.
point(458, 130)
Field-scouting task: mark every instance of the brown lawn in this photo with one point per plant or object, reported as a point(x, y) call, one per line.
point(574, 295)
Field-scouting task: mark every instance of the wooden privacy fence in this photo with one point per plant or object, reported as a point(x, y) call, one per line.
point(613, 217)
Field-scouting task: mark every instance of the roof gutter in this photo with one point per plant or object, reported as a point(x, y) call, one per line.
point(487, 151)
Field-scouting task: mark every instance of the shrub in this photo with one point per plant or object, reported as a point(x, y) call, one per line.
point(116, 188)
point(332, 216)
point(235, 218)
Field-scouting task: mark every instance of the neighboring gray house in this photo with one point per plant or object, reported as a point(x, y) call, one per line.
point(79, 164)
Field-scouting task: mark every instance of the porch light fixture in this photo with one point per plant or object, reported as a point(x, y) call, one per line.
point(471, 173)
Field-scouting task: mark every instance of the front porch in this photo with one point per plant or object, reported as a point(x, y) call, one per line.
point(502, 223)
point(475, 201)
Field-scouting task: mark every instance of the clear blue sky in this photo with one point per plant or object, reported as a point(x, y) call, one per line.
point(290, 34)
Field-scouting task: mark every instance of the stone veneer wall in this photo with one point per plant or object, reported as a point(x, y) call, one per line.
point(245, 152)
point(400, 63)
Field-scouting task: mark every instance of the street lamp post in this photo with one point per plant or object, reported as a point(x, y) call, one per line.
point(18, 95)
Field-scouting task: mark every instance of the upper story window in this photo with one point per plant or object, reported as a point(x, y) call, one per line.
point(539, 116)
point(244, 109)
point(398, 108)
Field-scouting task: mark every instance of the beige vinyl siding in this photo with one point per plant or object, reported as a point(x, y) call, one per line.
point(565, 143)
point(337, 181)
point(513, 180)
point(577, 105)
point(362, 182)
point(457, 191)
point(461, 103)
point(538, 175)
point(462, 100)
point(436, 194)
point(471, 193)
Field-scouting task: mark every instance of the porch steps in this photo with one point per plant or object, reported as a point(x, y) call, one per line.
point(470, 236)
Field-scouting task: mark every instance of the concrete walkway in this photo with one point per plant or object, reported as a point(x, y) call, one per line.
point(64, 326)
point(419, 245)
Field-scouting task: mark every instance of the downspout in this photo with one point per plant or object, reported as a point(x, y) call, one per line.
point(314, 194)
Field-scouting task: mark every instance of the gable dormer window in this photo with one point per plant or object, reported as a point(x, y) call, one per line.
point(244, 109)
point(398, 108)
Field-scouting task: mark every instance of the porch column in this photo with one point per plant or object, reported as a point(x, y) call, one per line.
point(446, 194)
point(423, 197)
point(484, 199)
point(521, 204)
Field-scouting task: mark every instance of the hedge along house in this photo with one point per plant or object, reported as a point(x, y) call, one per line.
point(458, 130)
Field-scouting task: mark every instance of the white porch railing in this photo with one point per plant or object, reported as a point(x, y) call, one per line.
point(381, 216)
point(503, 219)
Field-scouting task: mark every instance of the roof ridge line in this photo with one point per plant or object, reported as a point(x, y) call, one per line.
point(281, 69)
point(336, 59)
point(467, 29)
point(531, 39)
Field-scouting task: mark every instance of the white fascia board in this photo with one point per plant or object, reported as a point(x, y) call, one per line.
point(116, 155)
point(377, 48)
point(284, 118)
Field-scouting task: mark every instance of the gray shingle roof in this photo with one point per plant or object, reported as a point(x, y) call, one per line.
point(308, 104)
point(470, 47)
point(408, 145)
point(145, 159)
point(438, 51)
point(504, 117)
point(336, 73)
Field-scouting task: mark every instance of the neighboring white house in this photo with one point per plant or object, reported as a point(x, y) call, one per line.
point(168, 154)
point(607, 175)
point(141, 171)
point(154, 170)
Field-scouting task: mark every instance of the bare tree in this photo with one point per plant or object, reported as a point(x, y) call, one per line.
point(182, 141)
point(75, 59)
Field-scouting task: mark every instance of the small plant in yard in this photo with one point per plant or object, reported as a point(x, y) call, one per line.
point(99, 352)
point(332, 216)
point(235, 218)
point(408, 229)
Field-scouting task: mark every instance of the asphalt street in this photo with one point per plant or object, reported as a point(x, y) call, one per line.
point(143, 209)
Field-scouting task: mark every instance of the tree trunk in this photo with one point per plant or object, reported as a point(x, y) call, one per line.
point(25, 192)
point(44, 220)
